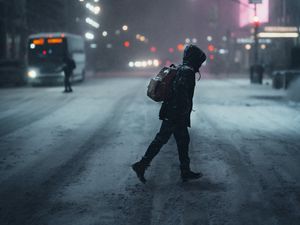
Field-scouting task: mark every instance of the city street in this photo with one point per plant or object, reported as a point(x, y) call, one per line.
point(65, 158)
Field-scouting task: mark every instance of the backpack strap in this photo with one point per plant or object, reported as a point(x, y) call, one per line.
point(188, 67)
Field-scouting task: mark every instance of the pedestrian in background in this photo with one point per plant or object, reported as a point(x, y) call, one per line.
point(175, 115)
point(69, 66)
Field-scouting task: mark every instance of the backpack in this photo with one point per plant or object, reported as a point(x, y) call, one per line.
point(160, 86)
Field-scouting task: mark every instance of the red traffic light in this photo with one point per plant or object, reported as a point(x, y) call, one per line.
point(153, 49)
point(256, 21)
point(180, 47)
point(171, 50)
point(126, 44)
point(211, 48)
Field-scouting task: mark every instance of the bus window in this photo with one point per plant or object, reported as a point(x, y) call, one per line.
point(50, 48)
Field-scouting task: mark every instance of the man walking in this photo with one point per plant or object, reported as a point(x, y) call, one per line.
point(69, 66)
point(175, 116)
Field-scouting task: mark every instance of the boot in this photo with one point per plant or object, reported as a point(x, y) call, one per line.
point(139, 168)
point(187, 175)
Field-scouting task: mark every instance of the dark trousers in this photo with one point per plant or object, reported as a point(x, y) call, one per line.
point(67, 82)
point(182, 138)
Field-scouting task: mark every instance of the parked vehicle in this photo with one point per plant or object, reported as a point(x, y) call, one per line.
point(12, 72)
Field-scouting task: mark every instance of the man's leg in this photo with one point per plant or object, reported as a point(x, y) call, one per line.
point(69, 83)
point(159, 141)
point(182, 138)
point(161, 138)
point(66, 83)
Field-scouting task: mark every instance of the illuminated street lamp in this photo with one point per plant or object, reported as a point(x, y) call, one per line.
point(95, 9)
point(209, 38)
point(125, 28)
point(89, 36)
point(92, 22)
point(104, 33)
point(187, 40)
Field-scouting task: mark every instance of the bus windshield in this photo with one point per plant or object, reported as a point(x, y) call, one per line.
point(51, 49)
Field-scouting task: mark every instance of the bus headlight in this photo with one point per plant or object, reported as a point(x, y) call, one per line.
point(32, 74)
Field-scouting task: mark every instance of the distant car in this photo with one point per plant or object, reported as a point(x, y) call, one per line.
point(12, 72)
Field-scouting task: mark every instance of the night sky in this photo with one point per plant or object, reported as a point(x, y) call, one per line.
point(169, 21)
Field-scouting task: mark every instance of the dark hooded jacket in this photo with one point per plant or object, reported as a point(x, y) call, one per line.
point(179, 106)
point(69, 65)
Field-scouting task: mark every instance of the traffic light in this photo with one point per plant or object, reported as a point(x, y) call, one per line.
point(256, 21)
point(171, 50)
point(211, 48)
point(180, 47)
point(126, 44)
point(153, 49)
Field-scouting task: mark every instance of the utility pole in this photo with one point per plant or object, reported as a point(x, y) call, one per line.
point(256, 70)
point(256, 27)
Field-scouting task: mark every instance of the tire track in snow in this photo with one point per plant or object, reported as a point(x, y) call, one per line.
point(19, 120)
point(31, 198)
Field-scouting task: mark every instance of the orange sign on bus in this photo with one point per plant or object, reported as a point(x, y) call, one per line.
point(40, 41)
point(55, 40)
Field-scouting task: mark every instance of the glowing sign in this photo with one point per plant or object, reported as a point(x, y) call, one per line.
point(40, 41)
point(55, 40)
point(247, 12)
point(278, 35)
point(281, 29)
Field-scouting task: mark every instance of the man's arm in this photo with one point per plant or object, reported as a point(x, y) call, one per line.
point(184, 86)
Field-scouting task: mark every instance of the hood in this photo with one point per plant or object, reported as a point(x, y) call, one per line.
point(194, 57)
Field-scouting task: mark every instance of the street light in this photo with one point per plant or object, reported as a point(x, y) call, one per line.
point(104, 33)
point(95, 9)
point(89, 36)
point(92, 22)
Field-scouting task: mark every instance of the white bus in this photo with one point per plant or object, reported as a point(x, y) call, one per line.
point(45, 55)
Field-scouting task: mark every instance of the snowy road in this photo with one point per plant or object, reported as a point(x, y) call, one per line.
point(65, 159)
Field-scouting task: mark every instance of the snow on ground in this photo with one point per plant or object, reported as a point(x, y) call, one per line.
point(65, 159)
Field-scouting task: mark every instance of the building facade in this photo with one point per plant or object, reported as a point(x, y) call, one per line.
point(20, 18)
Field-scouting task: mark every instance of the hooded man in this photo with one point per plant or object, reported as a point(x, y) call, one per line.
point(175, 115)
point(69, 66)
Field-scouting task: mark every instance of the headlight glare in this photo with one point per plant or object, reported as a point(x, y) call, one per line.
point(32, 74)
